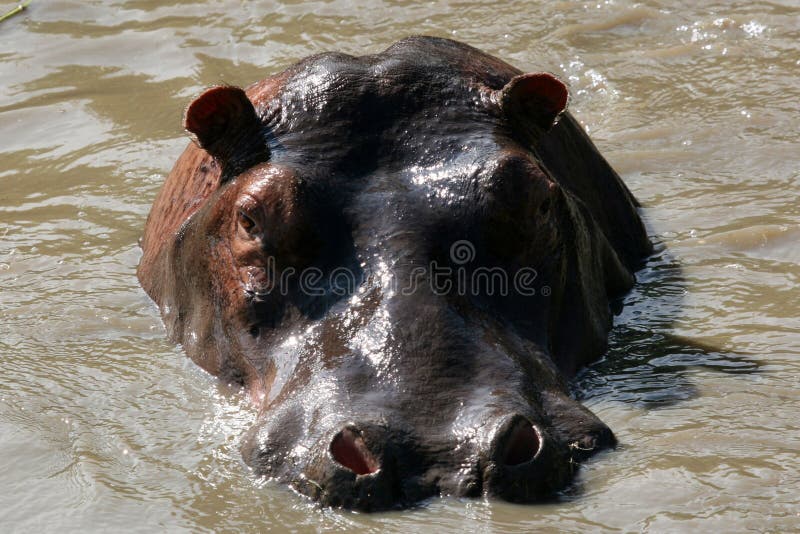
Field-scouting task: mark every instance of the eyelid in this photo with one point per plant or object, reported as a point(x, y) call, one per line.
point(246, 203)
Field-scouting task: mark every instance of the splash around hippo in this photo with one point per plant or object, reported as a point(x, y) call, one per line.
point(402, 257)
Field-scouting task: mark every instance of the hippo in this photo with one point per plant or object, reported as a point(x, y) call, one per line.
point(403, 258)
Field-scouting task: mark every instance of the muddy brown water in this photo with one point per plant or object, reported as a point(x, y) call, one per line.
point(105, 426)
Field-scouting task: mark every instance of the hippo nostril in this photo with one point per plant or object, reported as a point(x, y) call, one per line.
point(349, 450)
point(525, 462)
point(522, 444)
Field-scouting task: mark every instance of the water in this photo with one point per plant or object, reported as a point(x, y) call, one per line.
point(106, 426)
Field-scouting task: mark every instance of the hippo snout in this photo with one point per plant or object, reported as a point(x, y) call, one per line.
point(369, 467)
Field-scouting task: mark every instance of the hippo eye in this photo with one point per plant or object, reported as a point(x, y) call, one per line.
point(247, 223)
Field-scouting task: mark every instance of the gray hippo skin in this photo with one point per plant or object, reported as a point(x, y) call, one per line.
point(337, 240)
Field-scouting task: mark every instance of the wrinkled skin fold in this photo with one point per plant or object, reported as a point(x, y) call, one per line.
point(406, 187)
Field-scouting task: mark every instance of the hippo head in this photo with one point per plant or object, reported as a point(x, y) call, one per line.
point(402, 257)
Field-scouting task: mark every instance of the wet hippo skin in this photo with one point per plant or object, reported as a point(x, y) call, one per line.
point(402, 257)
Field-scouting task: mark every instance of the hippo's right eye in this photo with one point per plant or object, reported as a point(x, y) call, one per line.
point(247, 224)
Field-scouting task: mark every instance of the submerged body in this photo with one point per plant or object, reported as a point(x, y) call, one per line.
point(402, 257)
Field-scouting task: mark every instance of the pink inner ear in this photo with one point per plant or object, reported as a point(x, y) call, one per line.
point(540, 86)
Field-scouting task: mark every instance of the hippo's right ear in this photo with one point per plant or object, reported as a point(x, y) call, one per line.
point(224, 122)
point(534, 100)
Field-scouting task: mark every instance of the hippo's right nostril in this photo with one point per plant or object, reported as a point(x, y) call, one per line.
point(522, 443)
point(349, 450)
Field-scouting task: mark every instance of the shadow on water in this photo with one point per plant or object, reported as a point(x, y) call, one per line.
point(647, 365)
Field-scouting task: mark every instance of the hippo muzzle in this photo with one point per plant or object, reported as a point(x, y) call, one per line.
point(403, 257)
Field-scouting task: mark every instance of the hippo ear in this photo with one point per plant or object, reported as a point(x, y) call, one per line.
point(224, 122)
point(537, 98)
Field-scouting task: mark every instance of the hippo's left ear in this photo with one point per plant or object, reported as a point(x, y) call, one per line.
point(225, 123)
point(537, 98)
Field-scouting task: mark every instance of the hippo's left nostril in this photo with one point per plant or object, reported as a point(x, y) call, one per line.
point(349, 450)
point(522, 443)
